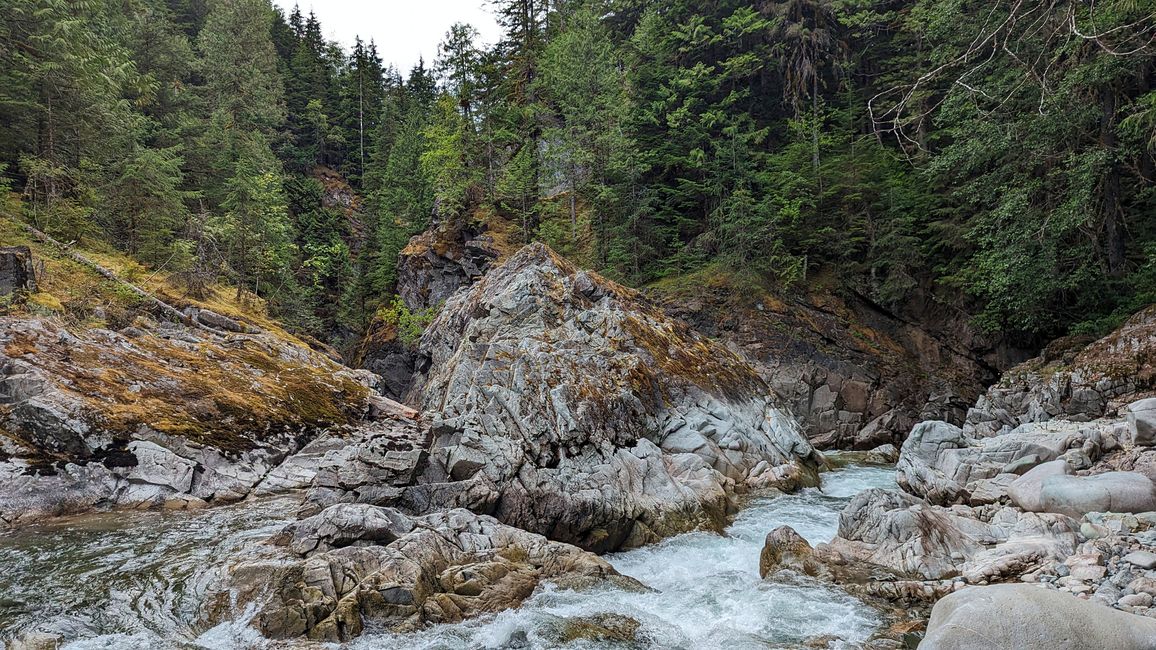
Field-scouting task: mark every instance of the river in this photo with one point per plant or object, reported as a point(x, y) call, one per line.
point(140, 580)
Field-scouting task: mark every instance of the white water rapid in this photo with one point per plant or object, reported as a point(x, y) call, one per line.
point(140, 580)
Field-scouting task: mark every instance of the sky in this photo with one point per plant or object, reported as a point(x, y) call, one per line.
point(403, 29)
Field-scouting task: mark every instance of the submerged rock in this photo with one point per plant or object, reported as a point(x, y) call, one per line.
point(569, 406)
point(1011, 617)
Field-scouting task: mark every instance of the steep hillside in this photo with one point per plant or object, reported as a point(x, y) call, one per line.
point(135, 393)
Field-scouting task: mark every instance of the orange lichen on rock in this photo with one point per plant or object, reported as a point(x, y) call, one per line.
point(229, 392)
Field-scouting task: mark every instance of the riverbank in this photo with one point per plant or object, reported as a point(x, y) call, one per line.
point(145, 579)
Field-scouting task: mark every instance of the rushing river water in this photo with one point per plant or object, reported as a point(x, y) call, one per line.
point(122, 581)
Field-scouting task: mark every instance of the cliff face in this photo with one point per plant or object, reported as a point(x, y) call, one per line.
point(856, 375)
point(1051, 479)
point(1074, 380)
point(590, 416)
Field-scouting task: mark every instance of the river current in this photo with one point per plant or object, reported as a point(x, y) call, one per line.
point(141, 580)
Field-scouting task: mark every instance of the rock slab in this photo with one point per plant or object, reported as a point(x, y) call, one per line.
point(1012, 617)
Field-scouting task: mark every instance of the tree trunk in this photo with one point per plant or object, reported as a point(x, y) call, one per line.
point(1110, 190)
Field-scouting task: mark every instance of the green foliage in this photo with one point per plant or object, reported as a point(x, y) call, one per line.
point(444, 158)
point(408, 324)
point(1001, 162)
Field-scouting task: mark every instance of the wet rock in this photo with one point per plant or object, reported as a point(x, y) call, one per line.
point(599, 628)
point(591, 417)
point(37, 641)
point(1026, 616)
point(786, 549)
point(366, 565)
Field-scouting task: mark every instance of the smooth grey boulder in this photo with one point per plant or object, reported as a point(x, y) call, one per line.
point(1019, 616)
point(1076, 496)
point(1141, 416)
point(1026, 492)
point(574, 408)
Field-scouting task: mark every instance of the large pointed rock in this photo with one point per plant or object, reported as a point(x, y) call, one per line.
point(575, 409)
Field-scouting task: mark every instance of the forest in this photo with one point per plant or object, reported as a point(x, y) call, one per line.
point(998, 154)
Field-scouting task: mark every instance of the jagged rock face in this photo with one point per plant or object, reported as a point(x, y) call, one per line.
point(1009, 617)
point(911, 537)
point(358, 565)
point(589, 416)
point(164, 415)
point(441, 260)
point(17, 273)
point(855, 374)
point(394, 362)
point(944, 464)
point(1078, 384)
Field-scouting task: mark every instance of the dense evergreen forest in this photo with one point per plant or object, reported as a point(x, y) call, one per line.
point(1000, 152)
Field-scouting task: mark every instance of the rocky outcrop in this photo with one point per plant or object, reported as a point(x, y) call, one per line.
point(1073, 380)
point(568, 406)
point(17, 271)
point(944, 464)
point(155, 415)
point(913, 538)
point(451, 254)
point(856, 374)
point(359, 565)
point(1025, 616)
point(1052, 492)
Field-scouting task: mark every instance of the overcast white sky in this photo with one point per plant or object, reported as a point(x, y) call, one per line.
point(402, 29)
